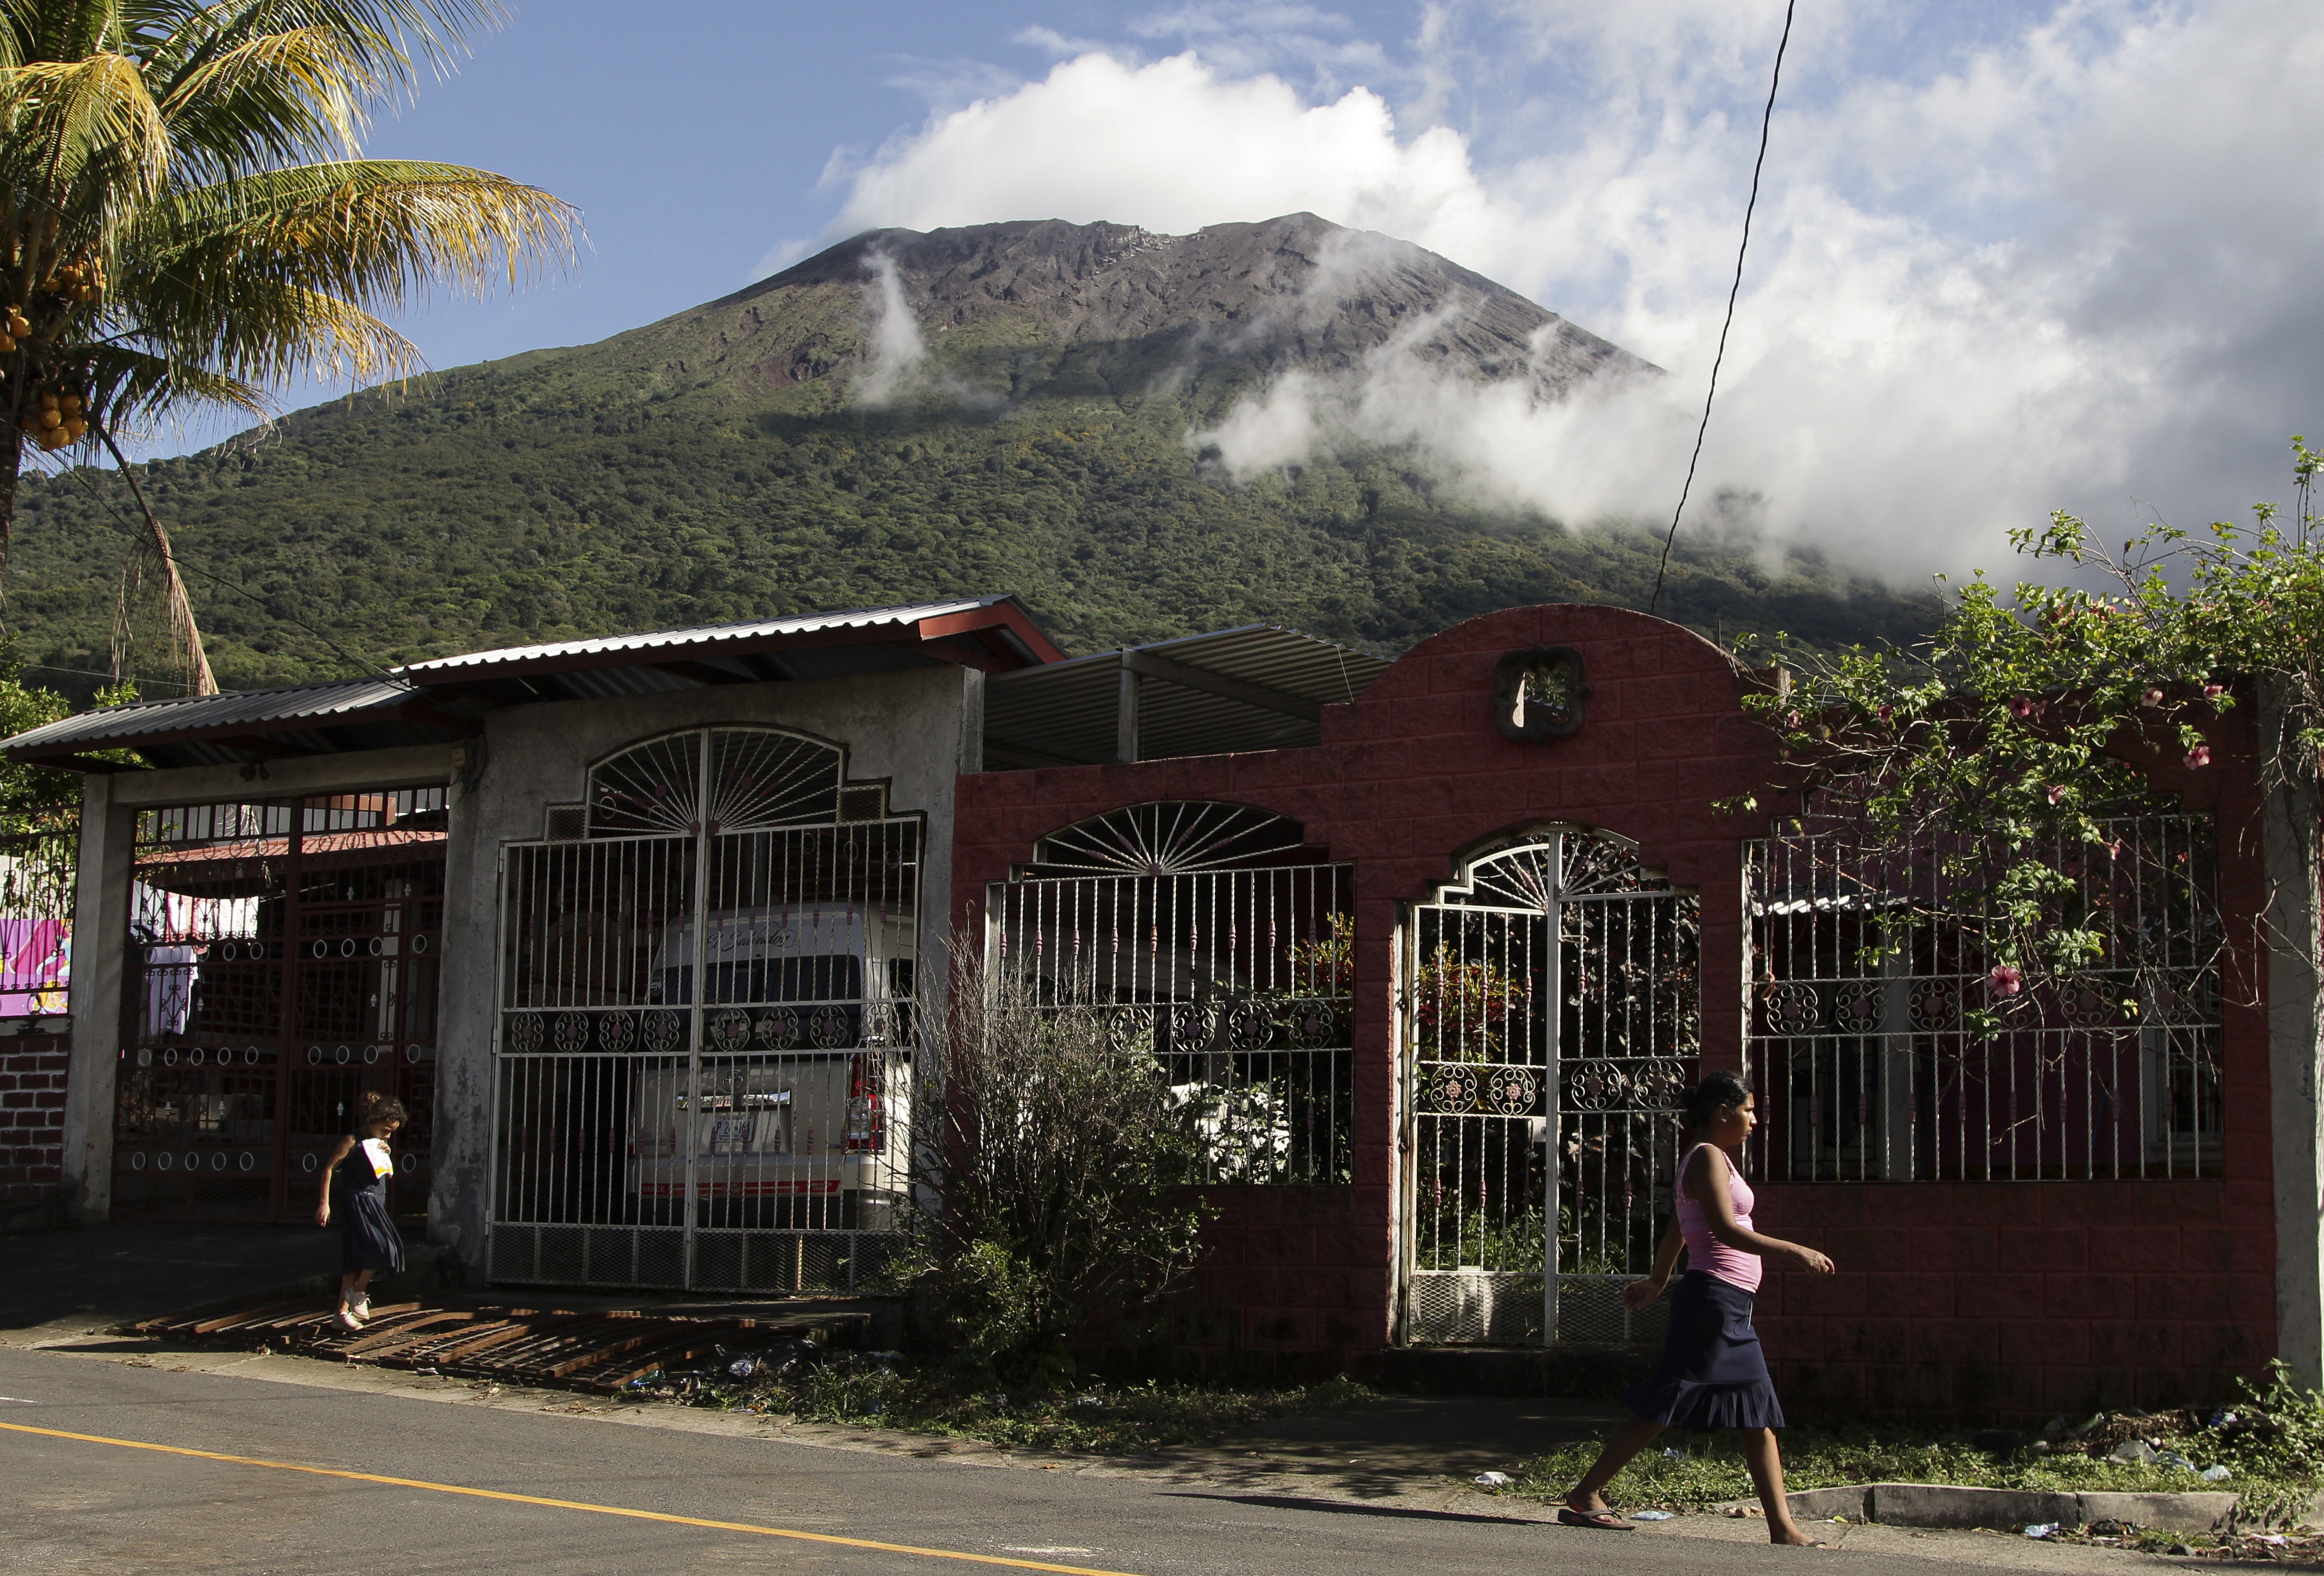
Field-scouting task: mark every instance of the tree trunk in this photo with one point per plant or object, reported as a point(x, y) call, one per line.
point(11, 465)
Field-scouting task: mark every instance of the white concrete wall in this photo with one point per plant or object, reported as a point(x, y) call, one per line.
point(917, 728)
point(2295, 1044)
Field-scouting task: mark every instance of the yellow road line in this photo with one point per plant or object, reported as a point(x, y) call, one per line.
point(740, 1526)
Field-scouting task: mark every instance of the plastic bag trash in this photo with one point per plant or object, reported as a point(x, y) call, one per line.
point(1670, 1453)
point(1654, 1516)
point(1494, 1479)
point(2223, 1420)
point(2042, 1529)
point(2214, 1474)
point(1091, 1401)
point(743, 1368)
point(2132, 1450)
point(2173, 1458)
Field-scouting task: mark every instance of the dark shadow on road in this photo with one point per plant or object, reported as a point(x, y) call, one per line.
point(1346, 1507)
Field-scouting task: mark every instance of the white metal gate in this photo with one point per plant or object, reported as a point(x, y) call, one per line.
point(750, 1134)
point(1551, 1010)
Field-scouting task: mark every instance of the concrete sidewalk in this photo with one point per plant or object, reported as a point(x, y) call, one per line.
point(58, 1283)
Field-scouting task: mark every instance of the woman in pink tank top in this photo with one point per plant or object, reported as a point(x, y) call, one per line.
point(1713, 1374)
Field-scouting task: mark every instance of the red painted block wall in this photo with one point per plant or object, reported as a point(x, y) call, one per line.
point(32, 1069)
point(1952, 1297)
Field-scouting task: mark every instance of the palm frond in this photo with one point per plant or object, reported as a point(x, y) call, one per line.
point(137, 386)
point(379, 232)
point(392, 39)
point(63, 115)
point(277, 97)
point(263, 330)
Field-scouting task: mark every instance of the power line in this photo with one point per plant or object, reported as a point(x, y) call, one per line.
point(1766, 120)
point(80, 474)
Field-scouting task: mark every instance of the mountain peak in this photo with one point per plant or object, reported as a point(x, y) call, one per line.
point(1293, 291)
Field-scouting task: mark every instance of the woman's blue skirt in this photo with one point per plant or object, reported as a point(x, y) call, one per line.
point(1713, 1374)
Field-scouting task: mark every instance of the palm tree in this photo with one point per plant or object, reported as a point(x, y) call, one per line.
point(190, 222)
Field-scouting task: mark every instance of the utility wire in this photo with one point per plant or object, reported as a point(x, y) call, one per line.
point(79, 474)
point(1766, 120)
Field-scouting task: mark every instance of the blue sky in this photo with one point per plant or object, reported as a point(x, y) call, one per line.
point(700, 153)
point(2010, 256)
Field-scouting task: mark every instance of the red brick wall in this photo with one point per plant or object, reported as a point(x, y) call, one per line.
point(1414, 774)
point(33, 1068)
point(2019, 1298)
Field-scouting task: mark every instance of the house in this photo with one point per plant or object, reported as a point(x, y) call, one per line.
point(639, 929)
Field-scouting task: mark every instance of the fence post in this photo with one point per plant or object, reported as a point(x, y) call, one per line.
point(2288, 836)
point(100, 938)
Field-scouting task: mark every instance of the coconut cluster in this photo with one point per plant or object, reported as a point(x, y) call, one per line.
point(82, 283)
point(54, 411)
point(59, 416)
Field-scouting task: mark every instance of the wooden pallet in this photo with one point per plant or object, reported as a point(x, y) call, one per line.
point(602, 1352)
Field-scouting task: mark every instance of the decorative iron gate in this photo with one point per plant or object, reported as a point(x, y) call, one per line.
point(1220, 942)
point(703, 1047)
point(282, 962)
point(1552, 1003)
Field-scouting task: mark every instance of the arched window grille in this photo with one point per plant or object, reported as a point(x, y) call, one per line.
point(1221, 943)
point(734, 779)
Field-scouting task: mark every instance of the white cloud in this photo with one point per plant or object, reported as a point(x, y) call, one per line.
point(2067, 262)
point(1172, 145)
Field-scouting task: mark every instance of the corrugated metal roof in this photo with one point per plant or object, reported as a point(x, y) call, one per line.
point(669, 641)
point(1065, 712)
point(368, 714)
point(256, 710)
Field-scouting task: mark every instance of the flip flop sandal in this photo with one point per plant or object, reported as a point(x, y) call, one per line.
point(1602, 1520)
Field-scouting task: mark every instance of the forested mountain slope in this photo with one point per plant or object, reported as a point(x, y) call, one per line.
point(1040, 382)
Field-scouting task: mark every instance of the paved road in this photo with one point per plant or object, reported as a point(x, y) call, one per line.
point(69, 1505)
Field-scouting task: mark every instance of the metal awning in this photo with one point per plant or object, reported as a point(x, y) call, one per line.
point(245, 725)
point(994, 634)
point(446, 699)
point(1254, 688)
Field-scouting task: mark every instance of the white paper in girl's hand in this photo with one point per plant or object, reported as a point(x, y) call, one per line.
point(376, 1151)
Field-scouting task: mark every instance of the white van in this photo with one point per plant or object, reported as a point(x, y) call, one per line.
point(804, 1100)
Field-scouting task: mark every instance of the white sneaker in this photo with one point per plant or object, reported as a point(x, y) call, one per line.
point(346, 1319)
point(361, 1307)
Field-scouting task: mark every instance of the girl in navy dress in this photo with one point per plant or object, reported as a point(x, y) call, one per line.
point(1713, 1374)
point(355, 1197)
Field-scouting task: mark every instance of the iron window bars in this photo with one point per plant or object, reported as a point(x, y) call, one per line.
point(1218, 942)
point(1864, 965)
